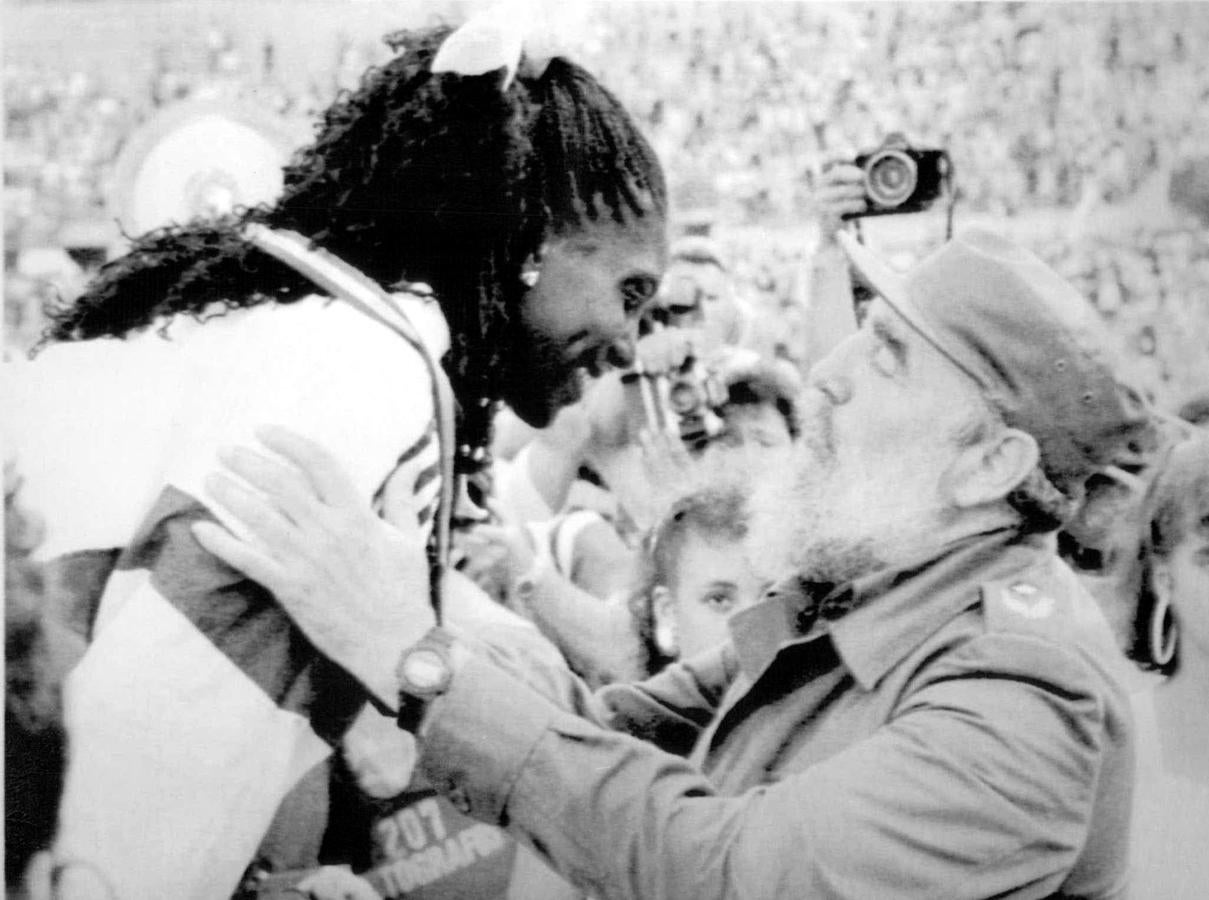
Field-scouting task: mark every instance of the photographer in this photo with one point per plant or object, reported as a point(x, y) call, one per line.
point(839, 193)
point(927, 706)
point(574, 575)
point(600, 432)
point(698, 299)
point(698, 291)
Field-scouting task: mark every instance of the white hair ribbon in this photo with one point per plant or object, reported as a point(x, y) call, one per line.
point(494, 38)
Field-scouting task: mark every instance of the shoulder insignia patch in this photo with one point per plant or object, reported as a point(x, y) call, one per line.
point(1027, 600)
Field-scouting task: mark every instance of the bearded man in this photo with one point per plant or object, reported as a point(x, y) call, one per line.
point(927, 707)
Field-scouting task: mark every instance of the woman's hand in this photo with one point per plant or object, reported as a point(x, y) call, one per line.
point(357, 586)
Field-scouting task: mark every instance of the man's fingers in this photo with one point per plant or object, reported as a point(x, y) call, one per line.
point(288, 488)
point(324, 472)
point(646, 441)
point(836, 193)
point(237, 554)
point(658, 445)
point(336, 883)
point(837, 208)
point(475, 541)
point(840, 193)
point(842, 172)
point(666, 350)
point(255, 512)
point(496, 534)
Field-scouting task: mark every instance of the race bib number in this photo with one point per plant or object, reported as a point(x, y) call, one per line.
point(424, 848)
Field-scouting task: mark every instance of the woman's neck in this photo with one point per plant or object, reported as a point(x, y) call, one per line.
point(1182, 710)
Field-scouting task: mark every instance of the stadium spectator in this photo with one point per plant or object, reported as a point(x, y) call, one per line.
point(584, 580)
point(697, 574)
point(1172, 797)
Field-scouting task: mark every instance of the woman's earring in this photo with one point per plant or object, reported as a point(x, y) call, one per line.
point(663, 615)
point(1162, 629)
point(665, 638)
point(530, 272)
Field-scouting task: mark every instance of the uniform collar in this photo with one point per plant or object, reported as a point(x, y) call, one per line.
point(876, 621)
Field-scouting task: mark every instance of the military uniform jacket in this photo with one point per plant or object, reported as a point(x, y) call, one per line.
point(959, 731)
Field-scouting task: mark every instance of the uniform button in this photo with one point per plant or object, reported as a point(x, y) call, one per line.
point(457, 796)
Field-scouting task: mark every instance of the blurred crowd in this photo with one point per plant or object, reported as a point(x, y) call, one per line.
point(1068, 107)
point(1039, 105)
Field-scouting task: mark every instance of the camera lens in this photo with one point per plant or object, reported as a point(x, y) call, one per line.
point(683, 396)
point(890, 178)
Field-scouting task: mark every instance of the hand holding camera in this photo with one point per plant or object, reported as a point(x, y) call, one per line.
point(900, 178)
point(669, 392)
point(839, 195)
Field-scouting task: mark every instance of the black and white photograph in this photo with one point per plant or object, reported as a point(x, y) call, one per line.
point(606, 450)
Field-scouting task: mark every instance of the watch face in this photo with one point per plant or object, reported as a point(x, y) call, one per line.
point(425, 669)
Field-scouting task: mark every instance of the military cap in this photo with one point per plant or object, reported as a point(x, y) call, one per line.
point(1032, 343)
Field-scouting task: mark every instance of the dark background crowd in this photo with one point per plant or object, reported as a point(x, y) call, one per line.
point(1065, 123)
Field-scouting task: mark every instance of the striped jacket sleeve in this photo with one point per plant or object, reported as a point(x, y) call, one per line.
point(198, 704)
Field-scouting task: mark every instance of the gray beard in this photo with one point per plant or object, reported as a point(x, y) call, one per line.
point(833, 561)
point(793, 529)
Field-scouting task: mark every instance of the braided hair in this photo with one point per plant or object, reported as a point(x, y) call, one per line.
point(413, 177)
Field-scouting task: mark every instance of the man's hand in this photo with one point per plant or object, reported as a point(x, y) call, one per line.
point(337, 883)
point(606, 405)
point(355, 585)
point(669, 467)
point(496, 556)
point(840, 192)
point(666, 349)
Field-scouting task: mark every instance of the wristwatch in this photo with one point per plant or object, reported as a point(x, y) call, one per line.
point(424, 672)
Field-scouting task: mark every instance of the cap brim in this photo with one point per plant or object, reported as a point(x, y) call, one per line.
point(892, 287)
point(877, 276)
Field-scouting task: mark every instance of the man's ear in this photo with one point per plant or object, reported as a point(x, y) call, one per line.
point(991, 469)
point(663, 610)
